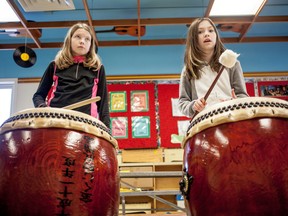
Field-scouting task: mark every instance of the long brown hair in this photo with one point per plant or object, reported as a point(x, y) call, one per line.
point(64, 57)
point(193, 54)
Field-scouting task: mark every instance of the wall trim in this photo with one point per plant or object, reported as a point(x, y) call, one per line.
point(163, 76)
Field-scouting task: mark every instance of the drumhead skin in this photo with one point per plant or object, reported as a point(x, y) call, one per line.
point(57, 162)
point(58, 118)
point(235, 159)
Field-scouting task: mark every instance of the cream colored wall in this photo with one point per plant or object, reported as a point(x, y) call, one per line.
point(24, 96)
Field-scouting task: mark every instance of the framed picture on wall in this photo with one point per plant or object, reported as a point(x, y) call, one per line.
point(278, 89)
point(139, 101)
point(118, 101)
point(119, 127)
point(140, 127)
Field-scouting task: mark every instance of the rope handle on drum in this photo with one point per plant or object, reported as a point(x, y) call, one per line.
point(227, 59)
point(82, 103)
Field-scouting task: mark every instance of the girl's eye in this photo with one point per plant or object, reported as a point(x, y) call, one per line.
point(211, 30)
point(200, 32)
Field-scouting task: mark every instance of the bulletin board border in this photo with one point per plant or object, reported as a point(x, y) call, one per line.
point(165, 76)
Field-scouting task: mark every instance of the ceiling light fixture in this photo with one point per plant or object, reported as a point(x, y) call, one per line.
point(48, 5)
point(7, 13)
point(235, 7)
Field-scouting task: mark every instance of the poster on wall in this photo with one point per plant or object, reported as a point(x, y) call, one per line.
point(119, 128)
point(182, 131)
point(139, 101)
point(175, 110)
point(277, 89)
point(140, 127)
point(118, 101)
point(182, 127)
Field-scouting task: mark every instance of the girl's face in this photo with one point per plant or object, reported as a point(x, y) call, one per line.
point(206, 36)
point(80, 42)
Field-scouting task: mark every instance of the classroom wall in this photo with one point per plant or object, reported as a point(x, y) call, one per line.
point(24, 96)
point(131, 60)
point(258, 57)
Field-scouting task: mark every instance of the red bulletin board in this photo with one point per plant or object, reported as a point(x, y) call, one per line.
point(130, 142)
point(168, 122)
point(250, 89)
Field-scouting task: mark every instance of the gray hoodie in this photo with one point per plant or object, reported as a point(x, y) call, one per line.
point(188, 91)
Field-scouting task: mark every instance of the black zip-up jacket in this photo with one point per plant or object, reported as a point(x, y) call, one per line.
point(72, 85)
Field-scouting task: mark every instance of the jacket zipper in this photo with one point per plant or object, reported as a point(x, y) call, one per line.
point(77, 71)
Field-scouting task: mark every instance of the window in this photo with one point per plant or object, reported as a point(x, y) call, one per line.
point(7, 92)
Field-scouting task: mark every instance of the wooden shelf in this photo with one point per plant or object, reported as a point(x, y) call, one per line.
point(149, 164)
point(150, 174)
point(163, 189)
point(150, 193)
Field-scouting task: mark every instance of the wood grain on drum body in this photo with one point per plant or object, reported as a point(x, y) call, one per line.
point(57, 171)
point(237, 110)
point(240, 167)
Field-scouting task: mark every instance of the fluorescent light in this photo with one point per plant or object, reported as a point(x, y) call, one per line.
point(235, 7)
point(10, 30)
point(6, 13)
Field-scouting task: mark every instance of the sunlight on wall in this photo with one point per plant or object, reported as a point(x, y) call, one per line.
point(7, 91)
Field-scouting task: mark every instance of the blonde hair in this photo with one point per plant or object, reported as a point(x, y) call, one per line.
point(64, 57)
point(193, 60)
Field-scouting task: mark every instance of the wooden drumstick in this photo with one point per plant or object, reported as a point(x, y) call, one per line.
point(210, 89)
point(82, 103)
point(227, 59)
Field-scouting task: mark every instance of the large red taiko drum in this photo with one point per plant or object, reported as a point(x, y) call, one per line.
point(235, 159)
point(57, 162)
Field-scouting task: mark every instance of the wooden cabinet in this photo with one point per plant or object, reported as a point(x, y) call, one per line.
point(155, 184)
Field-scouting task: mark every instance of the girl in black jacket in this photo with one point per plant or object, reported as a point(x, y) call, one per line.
point(76, 74)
